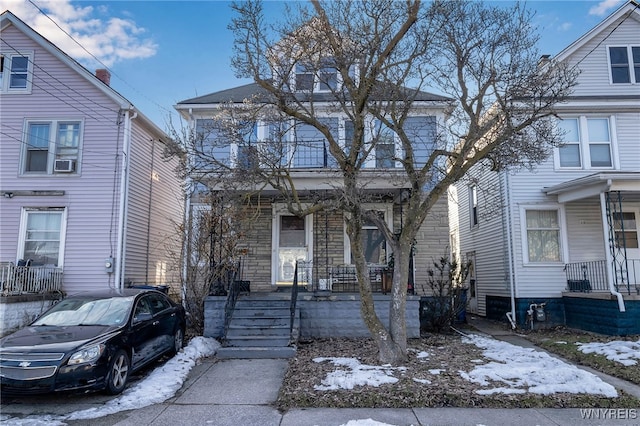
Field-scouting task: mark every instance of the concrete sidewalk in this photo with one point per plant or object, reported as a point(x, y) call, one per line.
point(243, 392)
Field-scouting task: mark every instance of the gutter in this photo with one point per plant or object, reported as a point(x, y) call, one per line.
point(511, 315)
point(124, 196)
point(607, 253)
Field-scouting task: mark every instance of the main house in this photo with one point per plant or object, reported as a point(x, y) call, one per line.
point(87, 200)
point(559, 244)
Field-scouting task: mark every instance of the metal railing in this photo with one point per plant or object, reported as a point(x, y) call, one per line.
point(592, 276)
point(27, 279)
point(343, 279)
point(294, 300)
point(235, 288)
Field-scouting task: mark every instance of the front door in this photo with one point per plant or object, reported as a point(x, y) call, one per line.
point(293, 240)
point(472, 306)
point(627, 228)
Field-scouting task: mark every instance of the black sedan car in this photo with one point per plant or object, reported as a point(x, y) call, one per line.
point(91, 341)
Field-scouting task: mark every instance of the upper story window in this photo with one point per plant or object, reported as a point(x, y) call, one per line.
point(52, 147)
point(587, 143)
point(316, 77)
point(473, 205)
point(16, 72)
point(385, 146)
point(624, 63)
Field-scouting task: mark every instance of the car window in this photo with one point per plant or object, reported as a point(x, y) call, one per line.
point(142, 307)
point(158, 303)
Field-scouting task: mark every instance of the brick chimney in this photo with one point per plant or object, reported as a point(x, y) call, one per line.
point(104, 76)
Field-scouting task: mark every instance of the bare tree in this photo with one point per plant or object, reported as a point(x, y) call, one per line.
point(387, 54)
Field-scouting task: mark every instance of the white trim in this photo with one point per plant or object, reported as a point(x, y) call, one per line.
point(6, 72)
point(563, 249)
point(52, 146)
point(278, 210)
point(23, 229)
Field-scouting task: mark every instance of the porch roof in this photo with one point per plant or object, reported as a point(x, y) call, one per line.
point(593, 185)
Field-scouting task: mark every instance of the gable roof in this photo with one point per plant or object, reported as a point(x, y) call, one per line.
point(252, 90)
point(630, 9)
point(7, 18)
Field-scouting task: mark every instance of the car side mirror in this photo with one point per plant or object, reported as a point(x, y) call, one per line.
point(141, 317)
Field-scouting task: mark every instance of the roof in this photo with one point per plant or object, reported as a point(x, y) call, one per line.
point(630, 8)
point(7, 18)
point(248, 91)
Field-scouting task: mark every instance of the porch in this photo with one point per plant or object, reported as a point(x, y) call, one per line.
point(588, 277)
point(25, 278)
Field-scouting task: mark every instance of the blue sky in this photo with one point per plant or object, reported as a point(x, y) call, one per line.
point(161, 52)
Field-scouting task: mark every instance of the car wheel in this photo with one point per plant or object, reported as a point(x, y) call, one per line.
point(178, 341)
point(118, 372)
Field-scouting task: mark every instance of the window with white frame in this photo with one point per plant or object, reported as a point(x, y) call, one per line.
point(624, 62)
point(52, 147)
point(587, 143)
point(473, 206)
point(542, 235)
point(42, 235)
point(16, 70)
point(322, 77)
point(385, 146)
point(625, 227)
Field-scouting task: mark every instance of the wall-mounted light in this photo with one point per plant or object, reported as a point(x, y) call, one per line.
point(7, 194)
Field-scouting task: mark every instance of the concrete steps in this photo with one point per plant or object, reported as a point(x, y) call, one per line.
point(259, 328)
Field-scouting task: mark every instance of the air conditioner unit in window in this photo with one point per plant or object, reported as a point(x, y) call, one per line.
point(64, 166)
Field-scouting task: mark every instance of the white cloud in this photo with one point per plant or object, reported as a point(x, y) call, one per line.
point(109, 38)
point(604, 7)
point(565, 26)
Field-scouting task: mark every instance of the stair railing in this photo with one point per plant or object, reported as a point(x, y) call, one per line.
point(232, 298)
point(294, 299)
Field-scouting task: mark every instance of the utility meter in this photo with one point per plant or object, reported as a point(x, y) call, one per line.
point(108, 265)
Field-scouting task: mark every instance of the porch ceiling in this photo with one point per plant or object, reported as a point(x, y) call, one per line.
point(594, 185)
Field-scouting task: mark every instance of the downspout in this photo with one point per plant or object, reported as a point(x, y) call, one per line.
point(511, 315)
point(124, 196)
point(607, 251)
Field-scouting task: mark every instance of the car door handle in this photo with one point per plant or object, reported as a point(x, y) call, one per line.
point(155, 323)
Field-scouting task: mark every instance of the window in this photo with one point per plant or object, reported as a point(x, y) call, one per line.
point(373, 242)
point(625, 230)
point(41, 236)
point(587, 143)
point(15, 72)
point(321, 77)
point(385, 146)
point(625, 64)
point(542, 235)
point(52, 147)
point(473, 205)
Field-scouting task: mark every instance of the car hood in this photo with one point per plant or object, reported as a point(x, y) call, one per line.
point(54, 338)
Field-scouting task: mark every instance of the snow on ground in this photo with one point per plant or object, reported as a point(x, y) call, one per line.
point(157, 387)
point(355, 374)
point(516, 370)
point(522, 370)
point(626, 353)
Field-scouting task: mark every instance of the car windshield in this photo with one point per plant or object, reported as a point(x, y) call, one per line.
point(69, 312)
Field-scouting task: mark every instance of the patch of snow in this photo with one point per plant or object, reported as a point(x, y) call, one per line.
point(527, 370)
point(365, 422)
point(356, 374)
point(626, 353)
point(422, 354)
point(436, 371)
point(422, 381)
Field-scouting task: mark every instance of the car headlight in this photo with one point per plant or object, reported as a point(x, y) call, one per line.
point(88, 354)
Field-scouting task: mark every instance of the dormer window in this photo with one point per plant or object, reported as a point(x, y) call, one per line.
point(316, 78)
point(624, 63)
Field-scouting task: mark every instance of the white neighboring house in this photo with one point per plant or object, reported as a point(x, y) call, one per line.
point(86, 195)
point(566, 233)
